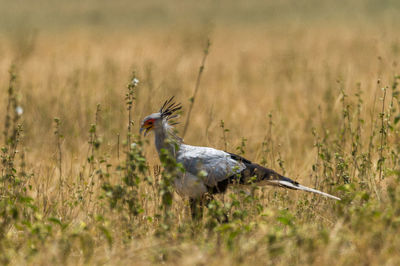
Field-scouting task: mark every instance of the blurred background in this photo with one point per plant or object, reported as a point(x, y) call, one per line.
point(288, 59)
point(124, 15)
point(306, 87)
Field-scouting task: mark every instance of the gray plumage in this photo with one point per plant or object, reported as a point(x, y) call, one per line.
point(208, 169)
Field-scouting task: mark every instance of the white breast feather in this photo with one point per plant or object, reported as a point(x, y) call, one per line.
point(189, 185)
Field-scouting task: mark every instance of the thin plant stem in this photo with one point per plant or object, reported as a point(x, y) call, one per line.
point(197, 86)
point(118, 146)
point(59, 159)
point(383, 135)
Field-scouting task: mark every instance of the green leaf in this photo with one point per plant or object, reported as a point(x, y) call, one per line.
point(55, 220)
point(107, 235)
point(396, 119)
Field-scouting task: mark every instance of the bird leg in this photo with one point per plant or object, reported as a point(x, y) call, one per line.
point(197, 205)
point(196, 208)
point(221, 217)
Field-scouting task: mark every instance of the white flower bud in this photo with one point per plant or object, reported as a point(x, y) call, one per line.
point(19, 110)
point(135, 82)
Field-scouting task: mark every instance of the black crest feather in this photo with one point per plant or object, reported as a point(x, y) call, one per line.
point(170, 107)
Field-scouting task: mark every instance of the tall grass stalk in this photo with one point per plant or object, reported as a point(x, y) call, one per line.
point(196, 87)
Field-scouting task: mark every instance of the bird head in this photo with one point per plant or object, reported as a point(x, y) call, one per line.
point(150, 122)
point(156, 120)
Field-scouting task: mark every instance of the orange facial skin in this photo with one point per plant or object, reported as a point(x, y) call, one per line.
point(147, 126)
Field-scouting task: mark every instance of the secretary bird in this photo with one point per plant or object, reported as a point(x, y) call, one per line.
point(208, 170)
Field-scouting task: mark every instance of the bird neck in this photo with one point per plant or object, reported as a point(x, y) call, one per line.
point(165, 138)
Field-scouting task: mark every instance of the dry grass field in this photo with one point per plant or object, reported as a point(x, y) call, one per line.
point(308, 88)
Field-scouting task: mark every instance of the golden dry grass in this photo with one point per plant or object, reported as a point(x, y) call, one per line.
point(292, 68)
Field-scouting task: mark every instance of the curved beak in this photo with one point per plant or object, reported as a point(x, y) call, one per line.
point(146, 130)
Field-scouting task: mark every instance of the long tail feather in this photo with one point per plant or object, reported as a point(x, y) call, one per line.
point(295, 185)
point(270, 177)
